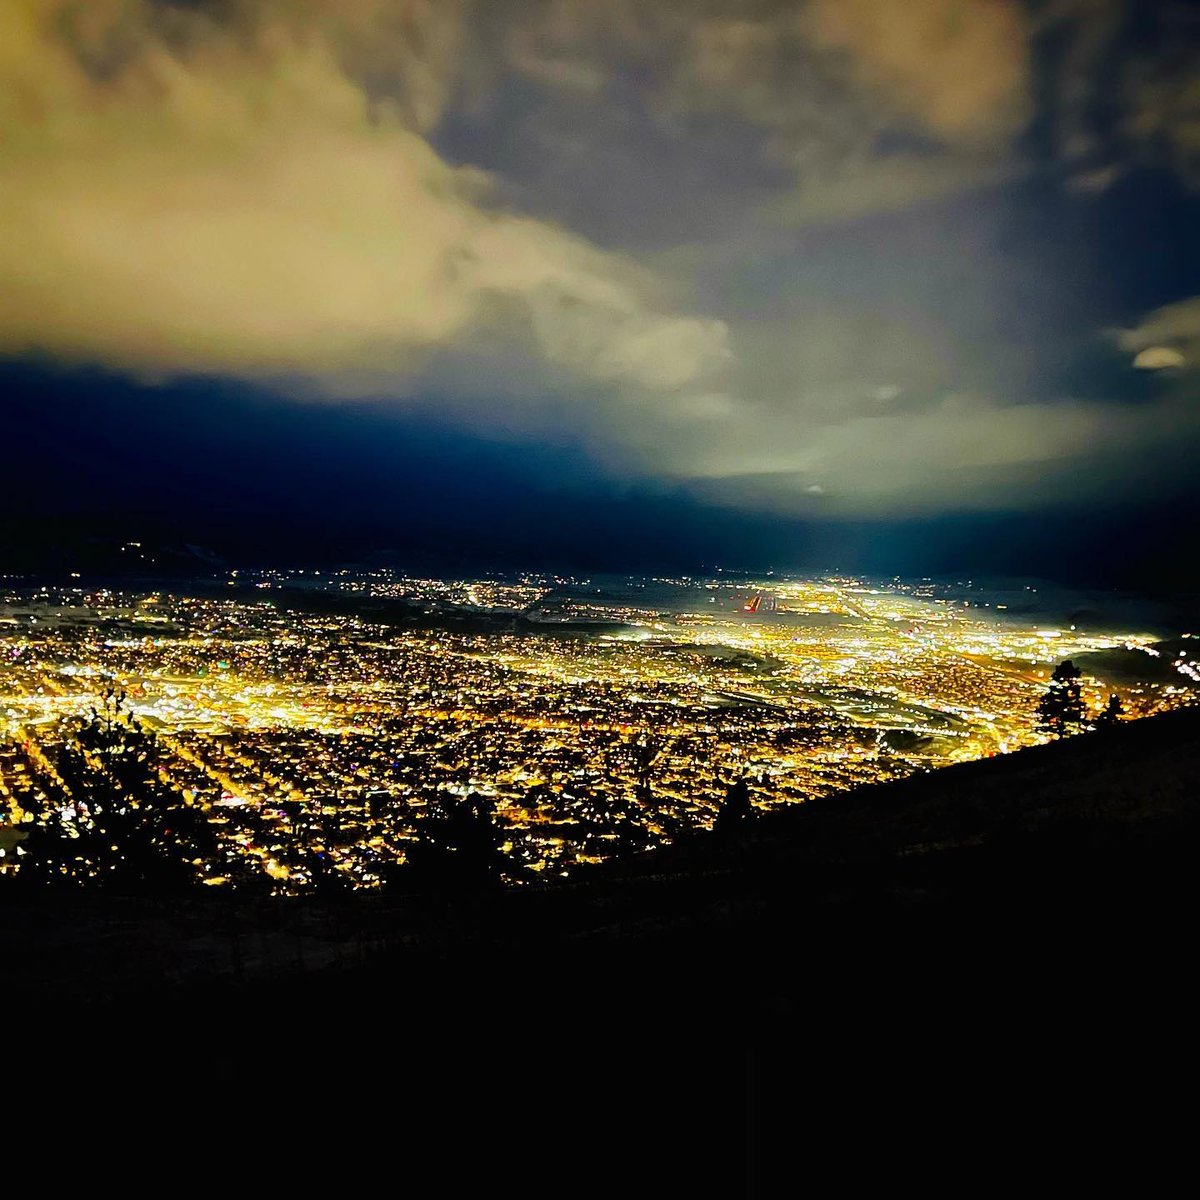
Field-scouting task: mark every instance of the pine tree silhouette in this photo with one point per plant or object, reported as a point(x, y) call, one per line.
point(457, 848)
point(735, 808)
point(646, 751)
point(1113, 712)
point(1061, 711)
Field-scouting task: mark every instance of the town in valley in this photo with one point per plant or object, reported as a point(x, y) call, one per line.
point(308, 721)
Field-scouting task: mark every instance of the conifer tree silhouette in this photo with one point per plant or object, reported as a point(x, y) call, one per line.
point(1113, 712)
point(1061, 711)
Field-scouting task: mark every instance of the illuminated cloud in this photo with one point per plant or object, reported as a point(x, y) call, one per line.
point(958, 456)
point(1158, 358)
point(961, 70)
point(1167, 337)
point(759, 250)
point(183, 197)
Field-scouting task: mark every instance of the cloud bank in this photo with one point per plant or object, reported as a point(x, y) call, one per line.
point(661, 232)
point(183, 197)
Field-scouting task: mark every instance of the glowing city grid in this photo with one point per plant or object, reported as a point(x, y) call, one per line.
point(595, 716)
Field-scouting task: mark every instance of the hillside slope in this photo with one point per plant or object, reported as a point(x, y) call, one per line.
point(1021, 924)
point(1084, 847)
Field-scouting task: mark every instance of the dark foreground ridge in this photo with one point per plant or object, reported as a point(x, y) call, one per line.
point(1083, 846)
point(1025, 922)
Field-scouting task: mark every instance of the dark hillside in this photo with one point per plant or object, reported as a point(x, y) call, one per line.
point(1059, 849)
point(1023, 923)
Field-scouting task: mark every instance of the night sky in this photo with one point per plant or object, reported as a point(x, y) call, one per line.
point(888, 285)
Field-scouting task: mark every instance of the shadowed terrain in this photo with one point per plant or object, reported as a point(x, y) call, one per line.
point(1083, 846)
point(946, 940)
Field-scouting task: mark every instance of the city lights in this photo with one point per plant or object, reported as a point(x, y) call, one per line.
point(594, 717)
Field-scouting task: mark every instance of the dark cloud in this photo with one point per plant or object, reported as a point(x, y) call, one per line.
point(1119, 82)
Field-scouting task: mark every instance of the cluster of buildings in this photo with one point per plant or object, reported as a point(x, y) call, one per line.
point(594, 717)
